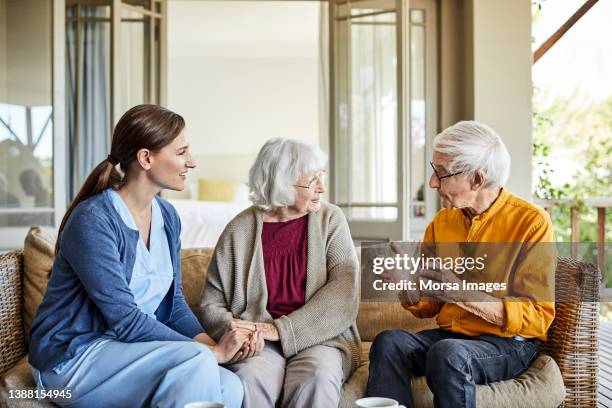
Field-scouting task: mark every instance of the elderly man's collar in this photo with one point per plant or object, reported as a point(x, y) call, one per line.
point(497, 203)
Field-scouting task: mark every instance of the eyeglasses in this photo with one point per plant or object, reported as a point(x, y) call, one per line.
point(317, 179)
point(440, 178)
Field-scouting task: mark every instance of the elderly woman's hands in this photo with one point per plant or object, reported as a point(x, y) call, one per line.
point(269, 330)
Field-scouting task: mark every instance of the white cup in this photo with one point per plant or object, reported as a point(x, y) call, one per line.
point(377, 402)
point(204, 404)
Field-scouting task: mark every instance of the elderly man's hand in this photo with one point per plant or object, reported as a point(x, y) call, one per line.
point(446, 279)
point(396, 276)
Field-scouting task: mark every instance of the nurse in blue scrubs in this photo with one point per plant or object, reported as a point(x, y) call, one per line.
point(114, 327)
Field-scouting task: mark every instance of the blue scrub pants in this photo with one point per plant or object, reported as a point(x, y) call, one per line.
point(110, 373)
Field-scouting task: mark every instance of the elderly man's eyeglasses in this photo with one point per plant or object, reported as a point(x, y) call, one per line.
point(440, 178)
point(317, 179)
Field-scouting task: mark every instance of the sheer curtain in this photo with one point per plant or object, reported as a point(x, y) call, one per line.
point(87, 93)
point(374, 116)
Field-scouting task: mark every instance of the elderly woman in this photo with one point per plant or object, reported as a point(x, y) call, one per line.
point(287, 267)
point(476, 342)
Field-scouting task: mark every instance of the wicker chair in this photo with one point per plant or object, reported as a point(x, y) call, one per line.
point(12, 346)
point(573, 337)
point(573, 341)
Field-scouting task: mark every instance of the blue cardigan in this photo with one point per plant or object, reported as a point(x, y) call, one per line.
point(88, 291)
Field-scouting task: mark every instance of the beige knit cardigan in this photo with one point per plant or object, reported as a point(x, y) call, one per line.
point(236, 285)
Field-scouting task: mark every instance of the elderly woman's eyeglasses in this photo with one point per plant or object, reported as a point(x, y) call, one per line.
point(317, 179)
point(440, 178)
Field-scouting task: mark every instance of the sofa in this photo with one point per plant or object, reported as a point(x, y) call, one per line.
point(565, 374)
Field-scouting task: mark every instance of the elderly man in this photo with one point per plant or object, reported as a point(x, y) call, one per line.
point(482, 341)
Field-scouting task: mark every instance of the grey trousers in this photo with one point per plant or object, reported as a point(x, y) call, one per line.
point(311, 378)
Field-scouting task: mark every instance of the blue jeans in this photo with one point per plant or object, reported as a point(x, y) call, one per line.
point(453, 363)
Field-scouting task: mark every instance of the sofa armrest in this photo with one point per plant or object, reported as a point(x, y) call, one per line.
point(12, 343)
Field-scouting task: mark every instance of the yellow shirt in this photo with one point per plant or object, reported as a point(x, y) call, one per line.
point(509, 219)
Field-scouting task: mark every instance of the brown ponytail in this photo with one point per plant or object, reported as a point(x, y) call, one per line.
point(142, 127)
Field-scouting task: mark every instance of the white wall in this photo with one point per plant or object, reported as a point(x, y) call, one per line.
point(502, 80)
point(243, 72)
point(233, 105)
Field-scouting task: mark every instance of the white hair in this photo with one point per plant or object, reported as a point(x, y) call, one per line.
point(278, 166)
point(474, 146)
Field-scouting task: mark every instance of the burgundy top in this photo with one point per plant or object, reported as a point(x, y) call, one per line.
point(285, 251)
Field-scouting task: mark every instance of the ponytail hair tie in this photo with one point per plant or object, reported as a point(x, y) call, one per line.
point(112, 160)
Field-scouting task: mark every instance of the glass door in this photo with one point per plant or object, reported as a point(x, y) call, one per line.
point(368, 143)
point(384, 98)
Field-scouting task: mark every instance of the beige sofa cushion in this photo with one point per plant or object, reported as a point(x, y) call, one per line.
point(18, 378)
point(194, 266)
point(374, 317)
point(541, 386)
point(38, 254)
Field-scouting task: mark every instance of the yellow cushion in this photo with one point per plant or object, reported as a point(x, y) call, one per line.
point(216, 190)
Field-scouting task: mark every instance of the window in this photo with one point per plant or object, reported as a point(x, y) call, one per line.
point(26, 117)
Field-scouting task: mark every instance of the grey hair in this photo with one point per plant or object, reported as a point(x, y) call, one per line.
point(474, 146)
point(278, 166)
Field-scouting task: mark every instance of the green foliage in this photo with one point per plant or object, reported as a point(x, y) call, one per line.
point(544, 188)
point(585, 131)
point(569, 131)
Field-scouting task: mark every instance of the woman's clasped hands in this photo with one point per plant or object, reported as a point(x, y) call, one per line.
point(239, 342)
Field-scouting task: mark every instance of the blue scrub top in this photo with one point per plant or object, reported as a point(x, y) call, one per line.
point(152, 274)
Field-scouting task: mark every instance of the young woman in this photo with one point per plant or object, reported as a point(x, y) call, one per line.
point(114, 327)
